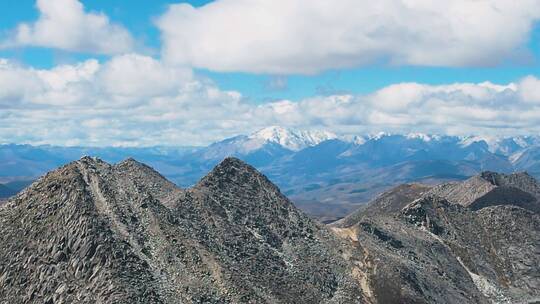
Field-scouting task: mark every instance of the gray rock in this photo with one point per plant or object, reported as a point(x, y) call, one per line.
point(91, 232)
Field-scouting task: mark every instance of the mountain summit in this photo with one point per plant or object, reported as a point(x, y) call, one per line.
point(289, 138)
point(491, 188)
point(94, 232)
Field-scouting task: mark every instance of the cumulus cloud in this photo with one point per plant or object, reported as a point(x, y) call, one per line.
point(530, 89)
point(128, 100)
point(458, 109)
point(295, 36)
point(137, 100)
point(64, 24)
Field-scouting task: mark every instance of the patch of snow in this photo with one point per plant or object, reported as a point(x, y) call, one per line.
point(496, 144)
point(354, 139)
point(516, 156)
point(520, 141)
point(483, 285)
point(493, 142)
point(423, 136)
point(378, 136)
point(287, 138)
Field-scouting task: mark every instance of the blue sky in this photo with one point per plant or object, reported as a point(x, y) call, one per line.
point(250, 59)
point(138, 17)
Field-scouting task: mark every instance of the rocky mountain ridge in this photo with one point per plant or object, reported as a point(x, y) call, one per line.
point(490, 188)
point(485, 228)
point(93, 232)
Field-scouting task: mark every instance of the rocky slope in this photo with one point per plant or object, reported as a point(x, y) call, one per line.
point(480, 244)
point(490, 188)
point(91, 232)
point(480, 191)
point(387, 203)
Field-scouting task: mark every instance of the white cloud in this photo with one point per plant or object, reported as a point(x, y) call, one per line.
point(295, 36)
point(16, 83)
point(137, 100)
point(64, 24)
point(132, 78)
point(530, 89)
point(129, 99)
point(456, 109)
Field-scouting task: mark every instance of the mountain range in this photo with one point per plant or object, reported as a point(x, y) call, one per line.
point(326, 175)
point(92, 232)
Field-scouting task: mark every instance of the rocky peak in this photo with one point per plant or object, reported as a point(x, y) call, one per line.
point(90, 159)
point(491, 177)
point(69, 177)
point(515, 179)
point(133, 166)
point(233, 173)
point(90, 162)
point(247, 196)
point(491, 189)
point(424, 212)
point(231, 164)
point(130, 161)
point(145, 178)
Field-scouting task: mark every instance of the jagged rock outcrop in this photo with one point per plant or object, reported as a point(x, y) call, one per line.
point(497, 245)
point(492, 189)
point(91, 232)
point(400, 261)
point(436, 251)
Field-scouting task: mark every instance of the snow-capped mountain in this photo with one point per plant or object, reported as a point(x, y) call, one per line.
point(354, 139)
point(501, 145)
point(266, 144)
point(288, 138)
point(423, 136)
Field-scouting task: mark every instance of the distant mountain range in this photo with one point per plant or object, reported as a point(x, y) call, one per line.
point(326, 175)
